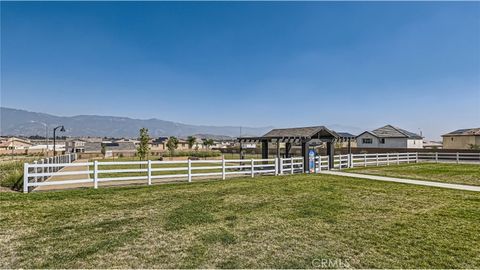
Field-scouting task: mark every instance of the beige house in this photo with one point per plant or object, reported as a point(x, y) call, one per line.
point(160, 144)
point(462, 139)
point(13, 143)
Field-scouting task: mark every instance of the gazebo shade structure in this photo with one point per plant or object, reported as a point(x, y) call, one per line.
point(301, 135)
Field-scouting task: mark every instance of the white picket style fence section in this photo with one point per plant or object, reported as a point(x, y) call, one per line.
point(187, 169)
point(450, 157)
point(38, 173)
point(41, 168)
point(291, 165)
point(322, 163)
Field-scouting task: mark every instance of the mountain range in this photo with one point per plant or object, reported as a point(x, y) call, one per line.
point(25, 123)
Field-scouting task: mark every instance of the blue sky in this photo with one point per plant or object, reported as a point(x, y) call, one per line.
point(413, 65)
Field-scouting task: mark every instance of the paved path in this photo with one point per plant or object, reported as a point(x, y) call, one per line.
point(82, 174)
point(405, 181)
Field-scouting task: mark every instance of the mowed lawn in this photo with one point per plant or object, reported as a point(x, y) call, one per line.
point(441, 172)
point(265, 222)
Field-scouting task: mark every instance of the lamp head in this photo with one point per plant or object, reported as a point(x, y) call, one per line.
point(62, 129)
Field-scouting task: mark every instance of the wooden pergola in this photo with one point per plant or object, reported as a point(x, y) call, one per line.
point(304, 136)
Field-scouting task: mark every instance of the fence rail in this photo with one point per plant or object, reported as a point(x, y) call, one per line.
point(364, 160)
point(97, 171)
point(41, 169)
point(41, 173)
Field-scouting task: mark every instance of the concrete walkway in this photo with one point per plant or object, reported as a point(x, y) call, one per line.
point(405, 181)
point(82, 174)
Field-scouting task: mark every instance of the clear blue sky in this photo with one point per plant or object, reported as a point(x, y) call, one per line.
point(414, 65)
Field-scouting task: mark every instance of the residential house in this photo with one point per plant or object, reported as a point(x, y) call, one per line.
point(389, 137)
point(75, 146)
point(462, 139)
point(160, 144)
point(14, 143)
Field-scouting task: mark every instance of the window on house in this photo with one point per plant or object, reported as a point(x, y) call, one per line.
point(382, 140)
point(367, 141)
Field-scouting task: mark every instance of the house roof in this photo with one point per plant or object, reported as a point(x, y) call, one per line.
point(345, 135)
point(301, 132)
point(464, 132)
point(390, 131)
point(8, 141)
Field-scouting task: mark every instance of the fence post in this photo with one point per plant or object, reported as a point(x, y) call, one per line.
point(276, 166)
point(223, 167)
point(95, 174)
point(42, 170)
point(416, 157)
point(364, 160)
point(291, 165)
point(458, 157)
point(319, 163)
point(376, 159)
point(253, 168)
point(149, 172)
point(398, 158)
point(281, 166)
point(189, 162)
point(436, 157)
point(25, 178)
point(388, 159)
point(69, 158)
point(35, 171)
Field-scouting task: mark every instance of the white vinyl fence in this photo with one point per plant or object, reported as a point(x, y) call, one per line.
point(364, 160)
point(61, 171)
point(41, 168)
point(148, 171)
point(450, 157)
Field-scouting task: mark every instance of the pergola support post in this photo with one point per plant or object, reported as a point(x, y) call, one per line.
point(331, 153)
point(288, 147)
point(264, 149)
point(306, 164)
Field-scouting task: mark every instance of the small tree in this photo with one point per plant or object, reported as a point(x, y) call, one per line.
point(208, 143)
point(143, 147)
point(191, 141)
point(474, 146)
point(103, 151)
point(172, 144)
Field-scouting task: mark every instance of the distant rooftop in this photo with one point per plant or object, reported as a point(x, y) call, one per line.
point(464, 132)
point(390, 131)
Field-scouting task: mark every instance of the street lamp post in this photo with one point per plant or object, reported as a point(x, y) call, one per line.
point(62, 129)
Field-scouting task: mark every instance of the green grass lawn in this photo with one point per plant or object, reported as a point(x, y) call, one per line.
point(440, 172)
point(266, 222)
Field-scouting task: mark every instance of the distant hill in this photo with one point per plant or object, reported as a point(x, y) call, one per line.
point(25, 123)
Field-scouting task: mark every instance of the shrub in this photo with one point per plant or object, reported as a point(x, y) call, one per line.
point(11, 175)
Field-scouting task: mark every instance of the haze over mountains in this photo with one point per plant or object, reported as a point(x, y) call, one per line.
point(24, 123)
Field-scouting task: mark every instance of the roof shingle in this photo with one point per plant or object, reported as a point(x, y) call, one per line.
point(464, 132)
